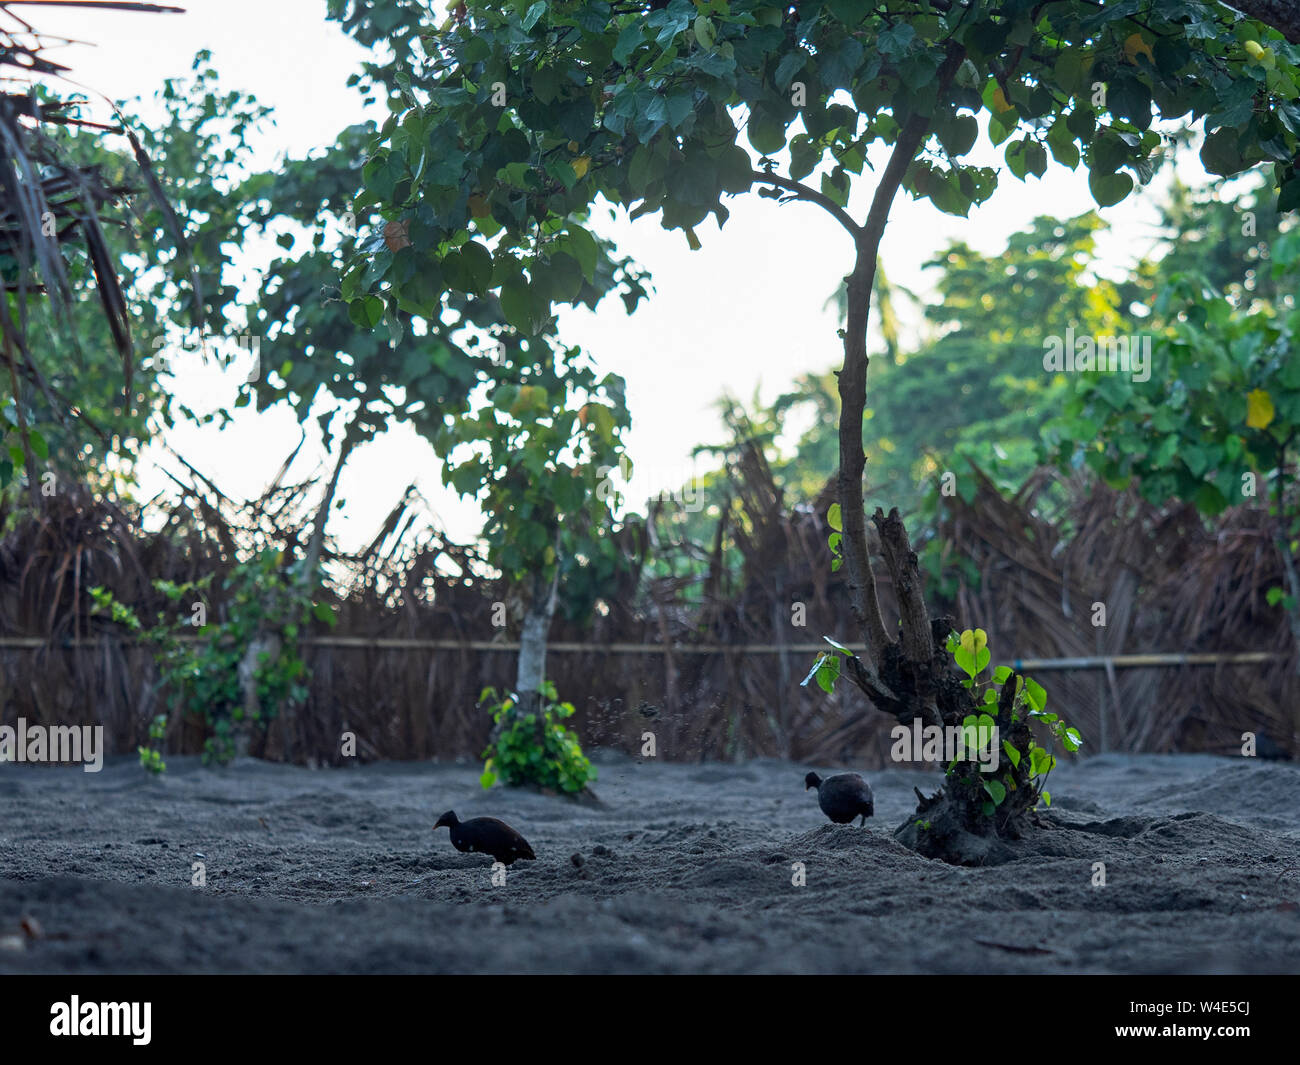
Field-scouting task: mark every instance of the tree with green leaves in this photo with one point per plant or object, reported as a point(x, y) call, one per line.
point(513, 119)
point(1221, 425)
point(522, 424)
point(538, 456)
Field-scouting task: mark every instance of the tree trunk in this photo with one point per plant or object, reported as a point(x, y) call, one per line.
point(910, 677)
point(853, 400)
point(270, 643)
point(1282, 15)
point(530, 672)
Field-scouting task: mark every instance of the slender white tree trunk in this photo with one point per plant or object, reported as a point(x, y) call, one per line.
point(531, 670)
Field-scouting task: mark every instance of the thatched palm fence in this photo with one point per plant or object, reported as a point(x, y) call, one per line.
point(414, 646)
point(1168, 582)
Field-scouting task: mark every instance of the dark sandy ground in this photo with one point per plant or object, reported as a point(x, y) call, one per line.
point(684, 868)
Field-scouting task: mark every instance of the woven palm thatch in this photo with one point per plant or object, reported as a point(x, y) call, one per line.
point(1166, 579)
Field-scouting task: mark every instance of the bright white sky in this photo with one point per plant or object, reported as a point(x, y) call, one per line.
point(746, 311)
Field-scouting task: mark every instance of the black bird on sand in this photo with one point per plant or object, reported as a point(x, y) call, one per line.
point(488, 836)
point(843, 797)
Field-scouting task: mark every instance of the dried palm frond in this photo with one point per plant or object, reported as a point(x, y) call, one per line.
point(50, 211)
point(1169, 580)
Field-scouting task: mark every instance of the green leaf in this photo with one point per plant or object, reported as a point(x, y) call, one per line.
point(565, 274)
point(1061, 141)
point(958, 134)
point(679, 106)
point(1109, 189)
point(791, 63)
point(813, 672)
point(704, 32)
point(582, 246)
point(366, 311)
point(471, 266)
point(766, 134)
point(533, 14)
point(1288, 198)
point(1040, 762)
point(966, 661)
point(1221, 153)
point(839, 647)
point(628, 40)
point(828, 672)
point(546, 84)
point(523, 306)
point(804, 156)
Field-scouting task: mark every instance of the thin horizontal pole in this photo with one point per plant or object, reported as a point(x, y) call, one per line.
point(1140, 661)
point(1132, 661)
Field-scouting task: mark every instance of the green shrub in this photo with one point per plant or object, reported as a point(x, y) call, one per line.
point(1026, 704)
point(201, 676)
point(522, 753)
point(969, 650)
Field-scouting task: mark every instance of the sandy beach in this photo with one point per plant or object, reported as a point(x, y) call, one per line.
point(677, 868)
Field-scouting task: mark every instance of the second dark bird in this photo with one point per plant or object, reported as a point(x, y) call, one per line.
point(486, 835)
point(843, 797)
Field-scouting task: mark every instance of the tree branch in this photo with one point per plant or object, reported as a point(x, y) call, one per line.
point(905, 148)
point(311, 560)
point(803, 192)
point(1282, 15)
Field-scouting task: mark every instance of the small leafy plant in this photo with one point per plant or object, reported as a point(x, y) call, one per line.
point(826, 669)
point(1028, 701)
point(199, 660)
point(1009, 702)
point(151, 756)
point(546, 753)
